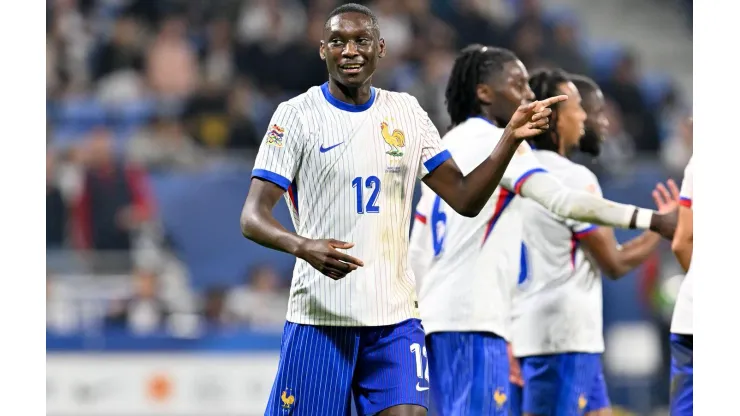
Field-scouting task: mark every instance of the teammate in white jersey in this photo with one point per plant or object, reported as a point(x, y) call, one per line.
point(557, 309)
point(348, 156)
point(466, 267)
point(682, 326)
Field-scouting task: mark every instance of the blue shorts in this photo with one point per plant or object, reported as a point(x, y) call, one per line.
point(682, 375)
point(321, 367)
point(567, 384)
point(469, 374)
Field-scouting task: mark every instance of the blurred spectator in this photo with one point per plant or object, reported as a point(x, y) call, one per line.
point(62, 315)
point(395, 26)
point(260, 302)
point(164, 146)
point(430, 87)
point(214, 312)
point(565, 52)
point(144, 311)
point(114, 202)
point(472, 24)
point(56, 207)
point(272, 21)
point(677, 148)
point(618, 150)
point(218, 59)
point(171, 64)
point(639, 121)
point(122, 51)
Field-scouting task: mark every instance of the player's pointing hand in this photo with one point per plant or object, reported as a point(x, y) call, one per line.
point(323, 256)
point(533, 118)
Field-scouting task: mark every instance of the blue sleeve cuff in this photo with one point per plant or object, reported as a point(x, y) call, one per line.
point(273, 177)
point(434, 162)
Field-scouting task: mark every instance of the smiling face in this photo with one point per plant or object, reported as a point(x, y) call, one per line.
point(351, 48)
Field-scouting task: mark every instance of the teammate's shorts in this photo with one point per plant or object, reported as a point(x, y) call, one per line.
point(321, 367)
point(469, 374)
point(569, 384)
point(516, 395)
point(682, 375)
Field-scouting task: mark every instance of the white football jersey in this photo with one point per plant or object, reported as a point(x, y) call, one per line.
point(557, 306)
point(466, 268)
point(683, 312)
point(349, 172)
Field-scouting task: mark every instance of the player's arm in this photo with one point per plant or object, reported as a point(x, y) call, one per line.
point(468, 194)
point(274, 170)
point(683, 242)
point(583, 206)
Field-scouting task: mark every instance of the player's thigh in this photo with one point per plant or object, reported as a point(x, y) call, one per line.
point(682, 375)
point(315, 371)
point(598, 398)
point(558, 384)
point(391, 368)
point(469, 373)
point(404, 410)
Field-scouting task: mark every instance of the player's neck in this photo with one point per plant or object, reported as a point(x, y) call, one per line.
point(350, 95)
point(496, 121)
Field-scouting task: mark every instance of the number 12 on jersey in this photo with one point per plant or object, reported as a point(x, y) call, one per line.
point(370, 183)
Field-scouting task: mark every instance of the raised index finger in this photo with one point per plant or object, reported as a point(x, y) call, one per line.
point(345, 258)
point(552, 100)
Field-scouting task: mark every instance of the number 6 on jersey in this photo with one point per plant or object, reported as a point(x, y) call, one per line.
point(371, 182)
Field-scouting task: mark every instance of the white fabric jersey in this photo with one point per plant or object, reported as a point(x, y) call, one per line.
point(466, 267)
point(557, 306)
point(349, 172)
point(683, 312)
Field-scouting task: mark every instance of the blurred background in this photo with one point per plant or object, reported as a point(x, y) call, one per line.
point(156, 305)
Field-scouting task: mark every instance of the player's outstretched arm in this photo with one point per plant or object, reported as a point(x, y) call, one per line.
point(583, 206)
point(468, 194)
point(616, 261)
point(259, 225)
point(683, 241)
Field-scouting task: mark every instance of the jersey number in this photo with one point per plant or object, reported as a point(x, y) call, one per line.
point(371, 182)
point(523, 265)
point(439, 226)
point(418, 352)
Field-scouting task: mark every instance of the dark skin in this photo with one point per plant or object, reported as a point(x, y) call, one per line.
point(351, 49)
point(351, 39)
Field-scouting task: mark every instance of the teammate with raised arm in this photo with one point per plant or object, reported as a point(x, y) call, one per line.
point(557, 309)
point(348, 156)
point(682, 325)
point(466, 268)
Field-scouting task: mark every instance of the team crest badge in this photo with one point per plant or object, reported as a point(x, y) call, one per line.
point(287, 399)
point(396, 139)
point(500, 398)
point(582, 402)
point(275, 136)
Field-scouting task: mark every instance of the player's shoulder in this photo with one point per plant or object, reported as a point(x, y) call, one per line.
point(388, 97)
point(689, 169)
point(470, 130)
point(304, 102)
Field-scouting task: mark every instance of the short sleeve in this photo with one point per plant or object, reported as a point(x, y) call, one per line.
point(584, 180)
point(687, 186)
point(280, 152)
point(523, 165)
point(433, 153)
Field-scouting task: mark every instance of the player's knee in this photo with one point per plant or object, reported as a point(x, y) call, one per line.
point(404, 410)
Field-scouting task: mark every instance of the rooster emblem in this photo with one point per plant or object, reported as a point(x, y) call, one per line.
point(396, 139)
point(582, 402)
point(287, 398)
point(500, 398)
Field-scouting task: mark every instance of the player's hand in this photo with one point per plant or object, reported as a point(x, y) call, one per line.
point(666, 198)
point(515, 372)
point(533, 118)
point(323, 256)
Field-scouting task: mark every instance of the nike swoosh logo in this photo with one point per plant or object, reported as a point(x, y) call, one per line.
point(323, 149)
point(419, 388)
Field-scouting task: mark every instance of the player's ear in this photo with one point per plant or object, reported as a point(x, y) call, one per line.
point(322, 54)
point(381, 48)
point(485, 94)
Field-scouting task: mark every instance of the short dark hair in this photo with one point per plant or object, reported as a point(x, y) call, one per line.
point(472, 67)
point(544, 84)
point(354, 8)
point(584, 84)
